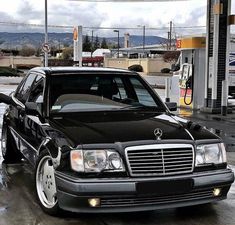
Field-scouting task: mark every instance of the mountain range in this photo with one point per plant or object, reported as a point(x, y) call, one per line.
point(59, 40)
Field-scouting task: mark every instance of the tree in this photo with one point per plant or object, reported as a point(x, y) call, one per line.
point(171, 56)
point(38, 51)
point(53, 51)
point(97, 43)
point(27, 51)
point(104, 43)
point(67, 53)
point(86, 44)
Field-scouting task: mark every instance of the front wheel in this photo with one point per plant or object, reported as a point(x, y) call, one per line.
point(45, 184)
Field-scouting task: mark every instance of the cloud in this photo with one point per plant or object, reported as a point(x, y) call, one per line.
point(26, 11)
point(76, 14)
point(96, 14)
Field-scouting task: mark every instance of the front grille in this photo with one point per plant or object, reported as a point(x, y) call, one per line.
point(160, 159)
point(159, 200)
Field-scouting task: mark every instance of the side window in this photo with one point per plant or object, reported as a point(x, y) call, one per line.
point(19, 89)
point(143, 95)
point(36, 94)
point(121, 89)
point(23, 93)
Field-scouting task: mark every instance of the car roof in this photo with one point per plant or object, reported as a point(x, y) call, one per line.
point(70, 69)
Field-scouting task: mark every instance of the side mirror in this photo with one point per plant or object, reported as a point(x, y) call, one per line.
point(172, 106)
point(33, 108)
point(5, 99)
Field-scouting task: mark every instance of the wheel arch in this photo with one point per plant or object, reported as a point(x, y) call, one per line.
point(52, 149)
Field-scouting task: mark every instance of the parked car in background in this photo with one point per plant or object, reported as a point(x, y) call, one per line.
point(101, 140)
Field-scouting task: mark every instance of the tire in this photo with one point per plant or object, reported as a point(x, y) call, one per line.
point(46, 189)
point(10, 153)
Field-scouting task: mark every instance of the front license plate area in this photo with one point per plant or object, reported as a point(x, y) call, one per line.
point(165, 187)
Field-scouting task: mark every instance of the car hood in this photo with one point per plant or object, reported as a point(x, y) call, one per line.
point(92, 128)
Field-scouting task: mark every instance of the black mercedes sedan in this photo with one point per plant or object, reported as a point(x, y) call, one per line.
point(101, 140)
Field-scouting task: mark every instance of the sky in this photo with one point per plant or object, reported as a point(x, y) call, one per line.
point(106, 14)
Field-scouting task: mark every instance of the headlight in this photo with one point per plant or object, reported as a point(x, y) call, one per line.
point(210, 154)
point(96, 161)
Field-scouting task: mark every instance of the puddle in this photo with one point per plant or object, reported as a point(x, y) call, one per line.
point(4, 178)
point(3, 209)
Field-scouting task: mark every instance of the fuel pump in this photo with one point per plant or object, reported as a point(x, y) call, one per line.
point(189, 86)
point(192, 72)
point(186, 85)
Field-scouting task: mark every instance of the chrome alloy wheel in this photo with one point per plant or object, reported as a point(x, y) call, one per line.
point(45, 182)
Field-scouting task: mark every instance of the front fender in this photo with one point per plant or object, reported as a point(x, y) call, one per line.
point(54, 150)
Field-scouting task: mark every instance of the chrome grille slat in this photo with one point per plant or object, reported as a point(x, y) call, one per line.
point(175, 158)
point(148, 170)
point(180, 154)
point(147, 166)
point(160, 159)
point(179, 165)
point(144, 159)
point(146, 163)
point(181, 161)
point(149, 156)
point(182, 168)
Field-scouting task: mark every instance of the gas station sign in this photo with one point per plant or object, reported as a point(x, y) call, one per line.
point(77, 45)
point(191, 43)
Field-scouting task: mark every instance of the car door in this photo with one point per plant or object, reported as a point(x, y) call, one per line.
point(33, 124)
point(18, 113)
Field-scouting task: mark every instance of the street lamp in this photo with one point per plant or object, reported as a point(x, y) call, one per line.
point(92, 42)
point(117, 31)
point(143, 36)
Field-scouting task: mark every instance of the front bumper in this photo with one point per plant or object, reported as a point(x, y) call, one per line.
point(123, 194)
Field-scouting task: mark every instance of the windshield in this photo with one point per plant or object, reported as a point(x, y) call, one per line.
point(92, 92)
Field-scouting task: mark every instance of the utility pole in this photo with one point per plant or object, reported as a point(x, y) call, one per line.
point(92, 42)
point(117, 31)
point(143, 38)
point(46, 36)
point(168, 40)
point(170, 35)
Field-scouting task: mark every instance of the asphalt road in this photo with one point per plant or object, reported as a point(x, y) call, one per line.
point(18, 205)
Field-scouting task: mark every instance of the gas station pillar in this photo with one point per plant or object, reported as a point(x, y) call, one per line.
point(217, 53)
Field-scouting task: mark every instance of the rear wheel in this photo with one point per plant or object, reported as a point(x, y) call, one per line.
point(45, 184)
point(10, 153)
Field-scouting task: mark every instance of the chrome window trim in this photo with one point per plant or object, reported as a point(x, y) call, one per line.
point(160, 147)
point(17, 101)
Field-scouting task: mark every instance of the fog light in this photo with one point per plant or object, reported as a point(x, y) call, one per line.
point(94, 202)
point(216, 192)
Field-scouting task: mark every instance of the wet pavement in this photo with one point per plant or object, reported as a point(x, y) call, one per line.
point(18, 204)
